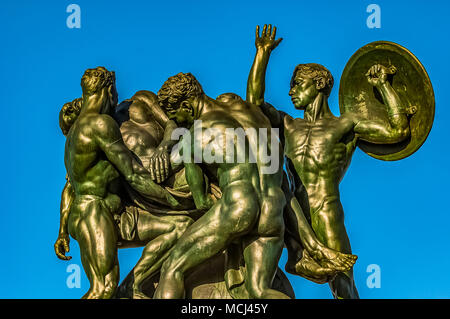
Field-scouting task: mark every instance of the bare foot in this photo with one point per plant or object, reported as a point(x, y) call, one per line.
point(330, 258)
point(308, 268)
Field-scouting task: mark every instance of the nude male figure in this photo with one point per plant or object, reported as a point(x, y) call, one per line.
point(96, 157)
point(313, 264)
point(252, 203)
point(146, 137)
point(319, 148)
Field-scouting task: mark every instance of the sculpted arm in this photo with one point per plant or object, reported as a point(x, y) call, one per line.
point(198, 186)
point(62, 243)
point(160, 161)
point(194, 174)
point(396, 129)
point(257, 77)
point(109, 139)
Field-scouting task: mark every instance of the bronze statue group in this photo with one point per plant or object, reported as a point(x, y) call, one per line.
point(214, 229)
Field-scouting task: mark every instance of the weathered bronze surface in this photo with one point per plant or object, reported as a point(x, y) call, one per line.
point(214, 216)
point(410, 81)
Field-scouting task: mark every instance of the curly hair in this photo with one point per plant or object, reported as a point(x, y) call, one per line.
point(96, 79)
point(68, 115)
point(315, 71)
point(178, 88)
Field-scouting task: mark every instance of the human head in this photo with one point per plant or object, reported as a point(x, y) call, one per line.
point(68, 115)
point(307, 82)
point(179, 97)
point(94, 80)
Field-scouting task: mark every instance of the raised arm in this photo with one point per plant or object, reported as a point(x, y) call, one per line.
point(396, 129)
point(109, 139)
point(257, 77)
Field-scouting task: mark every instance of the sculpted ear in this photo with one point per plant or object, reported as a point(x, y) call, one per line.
point(187, 107)
point(320, 83)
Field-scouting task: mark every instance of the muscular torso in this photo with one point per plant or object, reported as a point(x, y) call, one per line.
point(142, 139)
point(89, 170)
point(320, 153)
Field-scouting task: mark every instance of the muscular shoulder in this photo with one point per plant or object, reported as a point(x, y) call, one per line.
point(146, 96)
point(218, 119)
point(229, 98)
point(100, 125)
point(290, 124)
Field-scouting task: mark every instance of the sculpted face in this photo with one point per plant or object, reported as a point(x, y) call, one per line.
point(183, 115)
point(179, 97)
point(303, 91)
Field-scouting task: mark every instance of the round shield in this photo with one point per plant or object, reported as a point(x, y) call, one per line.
point(408, 78)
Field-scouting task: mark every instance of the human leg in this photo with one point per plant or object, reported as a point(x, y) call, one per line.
point(210, 234)
point(263, 250)
point(94, 229)
point(161, 233)
point(328, 224)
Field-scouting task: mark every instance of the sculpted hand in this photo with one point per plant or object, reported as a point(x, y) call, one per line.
point(62, 247)
point(267, 40)
point(159, 164)
point(377, 74)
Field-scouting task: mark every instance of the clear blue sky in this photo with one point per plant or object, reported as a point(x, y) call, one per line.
point(396, 213)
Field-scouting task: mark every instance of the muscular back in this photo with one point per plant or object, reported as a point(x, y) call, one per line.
point(251, 116)
point(226, 170)
point(89, 170)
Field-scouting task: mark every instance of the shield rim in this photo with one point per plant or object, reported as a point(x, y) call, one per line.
point(396, 48)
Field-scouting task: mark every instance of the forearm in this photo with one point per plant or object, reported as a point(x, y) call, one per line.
point(66, 201)
point(197, 185)
point(140, 180)
point(396, 111)
point(257, 77)
point(167, 141)
point(307, 236)
point(379, 131)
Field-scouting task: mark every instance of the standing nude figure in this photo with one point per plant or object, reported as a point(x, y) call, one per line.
point(96, 157)
point(319, 148)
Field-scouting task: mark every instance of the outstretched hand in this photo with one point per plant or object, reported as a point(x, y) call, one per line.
point(267, 39)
